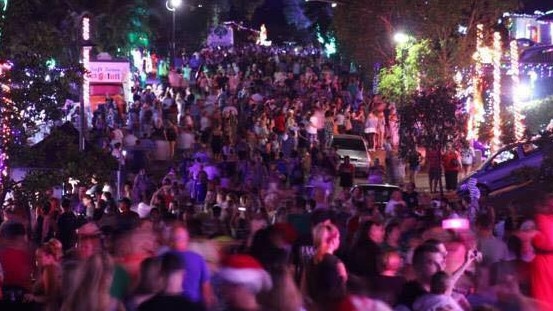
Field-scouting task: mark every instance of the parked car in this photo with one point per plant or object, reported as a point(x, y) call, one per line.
point(355, 147)
point(499, 170)
point(381, 192)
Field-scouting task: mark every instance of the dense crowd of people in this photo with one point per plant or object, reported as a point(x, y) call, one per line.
point(257, 210)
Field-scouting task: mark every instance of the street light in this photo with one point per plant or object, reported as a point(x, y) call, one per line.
point(172, 6)
point(401, 38)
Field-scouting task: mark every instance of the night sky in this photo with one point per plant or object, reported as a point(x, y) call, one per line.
point(532, 5)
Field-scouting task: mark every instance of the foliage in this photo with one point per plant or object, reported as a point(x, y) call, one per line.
point(431, 118)
point(546, 172)
point(36, 92)
point(246, 7)
point(507, 127)
point(365, 29)
point(295, 14)
point(36, 96)
point(538, 114)
point(451, 26)
point(58, 158)
point(403, 78)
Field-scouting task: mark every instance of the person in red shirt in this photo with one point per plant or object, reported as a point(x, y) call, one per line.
point(541, 268)
point(16, 260)
point(280, 123)
point(452, 164)
point(434, 168)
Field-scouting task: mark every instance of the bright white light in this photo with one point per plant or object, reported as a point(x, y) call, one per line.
point(334, 4)
point(401, 38)
point(533, 77)
point(522, 92)
point(86, 28)
point(462, 29)
point(458, 77)
point(175, 3)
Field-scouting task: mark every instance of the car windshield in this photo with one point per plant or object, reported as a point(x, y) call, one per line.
point(380, 195)
point(348, 144)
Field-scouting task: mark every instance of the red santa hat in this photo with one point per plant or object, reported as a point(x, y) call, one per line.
point(245, 270)
point(360, 303)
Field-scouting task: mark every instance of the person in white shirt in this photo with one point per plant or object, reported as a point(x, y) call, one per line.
point(493, 249)
point(312, 129)
point(186, 141)
point(395, 204)
point(143, 209)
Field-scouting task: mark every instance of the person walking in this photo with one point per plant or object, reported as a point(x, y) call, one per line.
point(434, 168)
point(346, 171)
point(467, 159)
point(452, 165)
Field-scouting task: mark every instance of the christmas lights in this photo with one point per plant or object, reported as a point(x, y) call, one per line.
point(5, 131)
point(476, 109)
point(86, 61)
point(518, 118)
point(86, 28)
point(496, 92)
point(86, 77)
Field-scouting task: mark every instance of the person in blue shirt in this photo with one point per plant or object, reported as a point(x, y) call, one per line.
point(196, 283)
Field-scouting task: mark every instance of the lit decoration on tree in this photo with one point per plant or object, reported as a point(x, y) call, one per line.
point(7, 114)
point(86, 61)
point(329, 44)
point(519, 125)
point(476, 108)
point(3, 9)
point(262, 39)
point(496, 93)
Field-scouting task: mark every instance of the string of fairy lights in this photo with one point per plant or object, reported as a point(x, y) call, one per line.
point(5, 128)
point(515, 76)
point(476, 112)
point(86, 60)
point(496, 95)
point(486, 54)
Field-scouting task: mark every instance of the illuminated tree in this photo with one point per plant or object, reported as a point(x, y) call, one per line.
point(431, 118)
point(365, 28)
point(409, 73)
point(33, 94)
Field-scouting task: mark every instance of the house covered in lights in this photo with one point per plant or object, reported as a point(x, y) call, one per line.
point(534, 33)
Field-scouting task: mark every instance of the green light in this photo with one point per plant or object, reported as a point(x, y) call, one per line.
point(328, 45)
point(51, 63)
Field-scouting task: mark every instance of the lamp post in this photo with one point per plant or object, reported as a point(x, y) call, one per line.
point(172, 6)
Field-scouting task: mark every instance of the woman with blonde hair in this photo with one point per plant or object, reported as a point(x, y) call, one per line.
point(326, 275)
point(46, 293)
point(93, 278)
